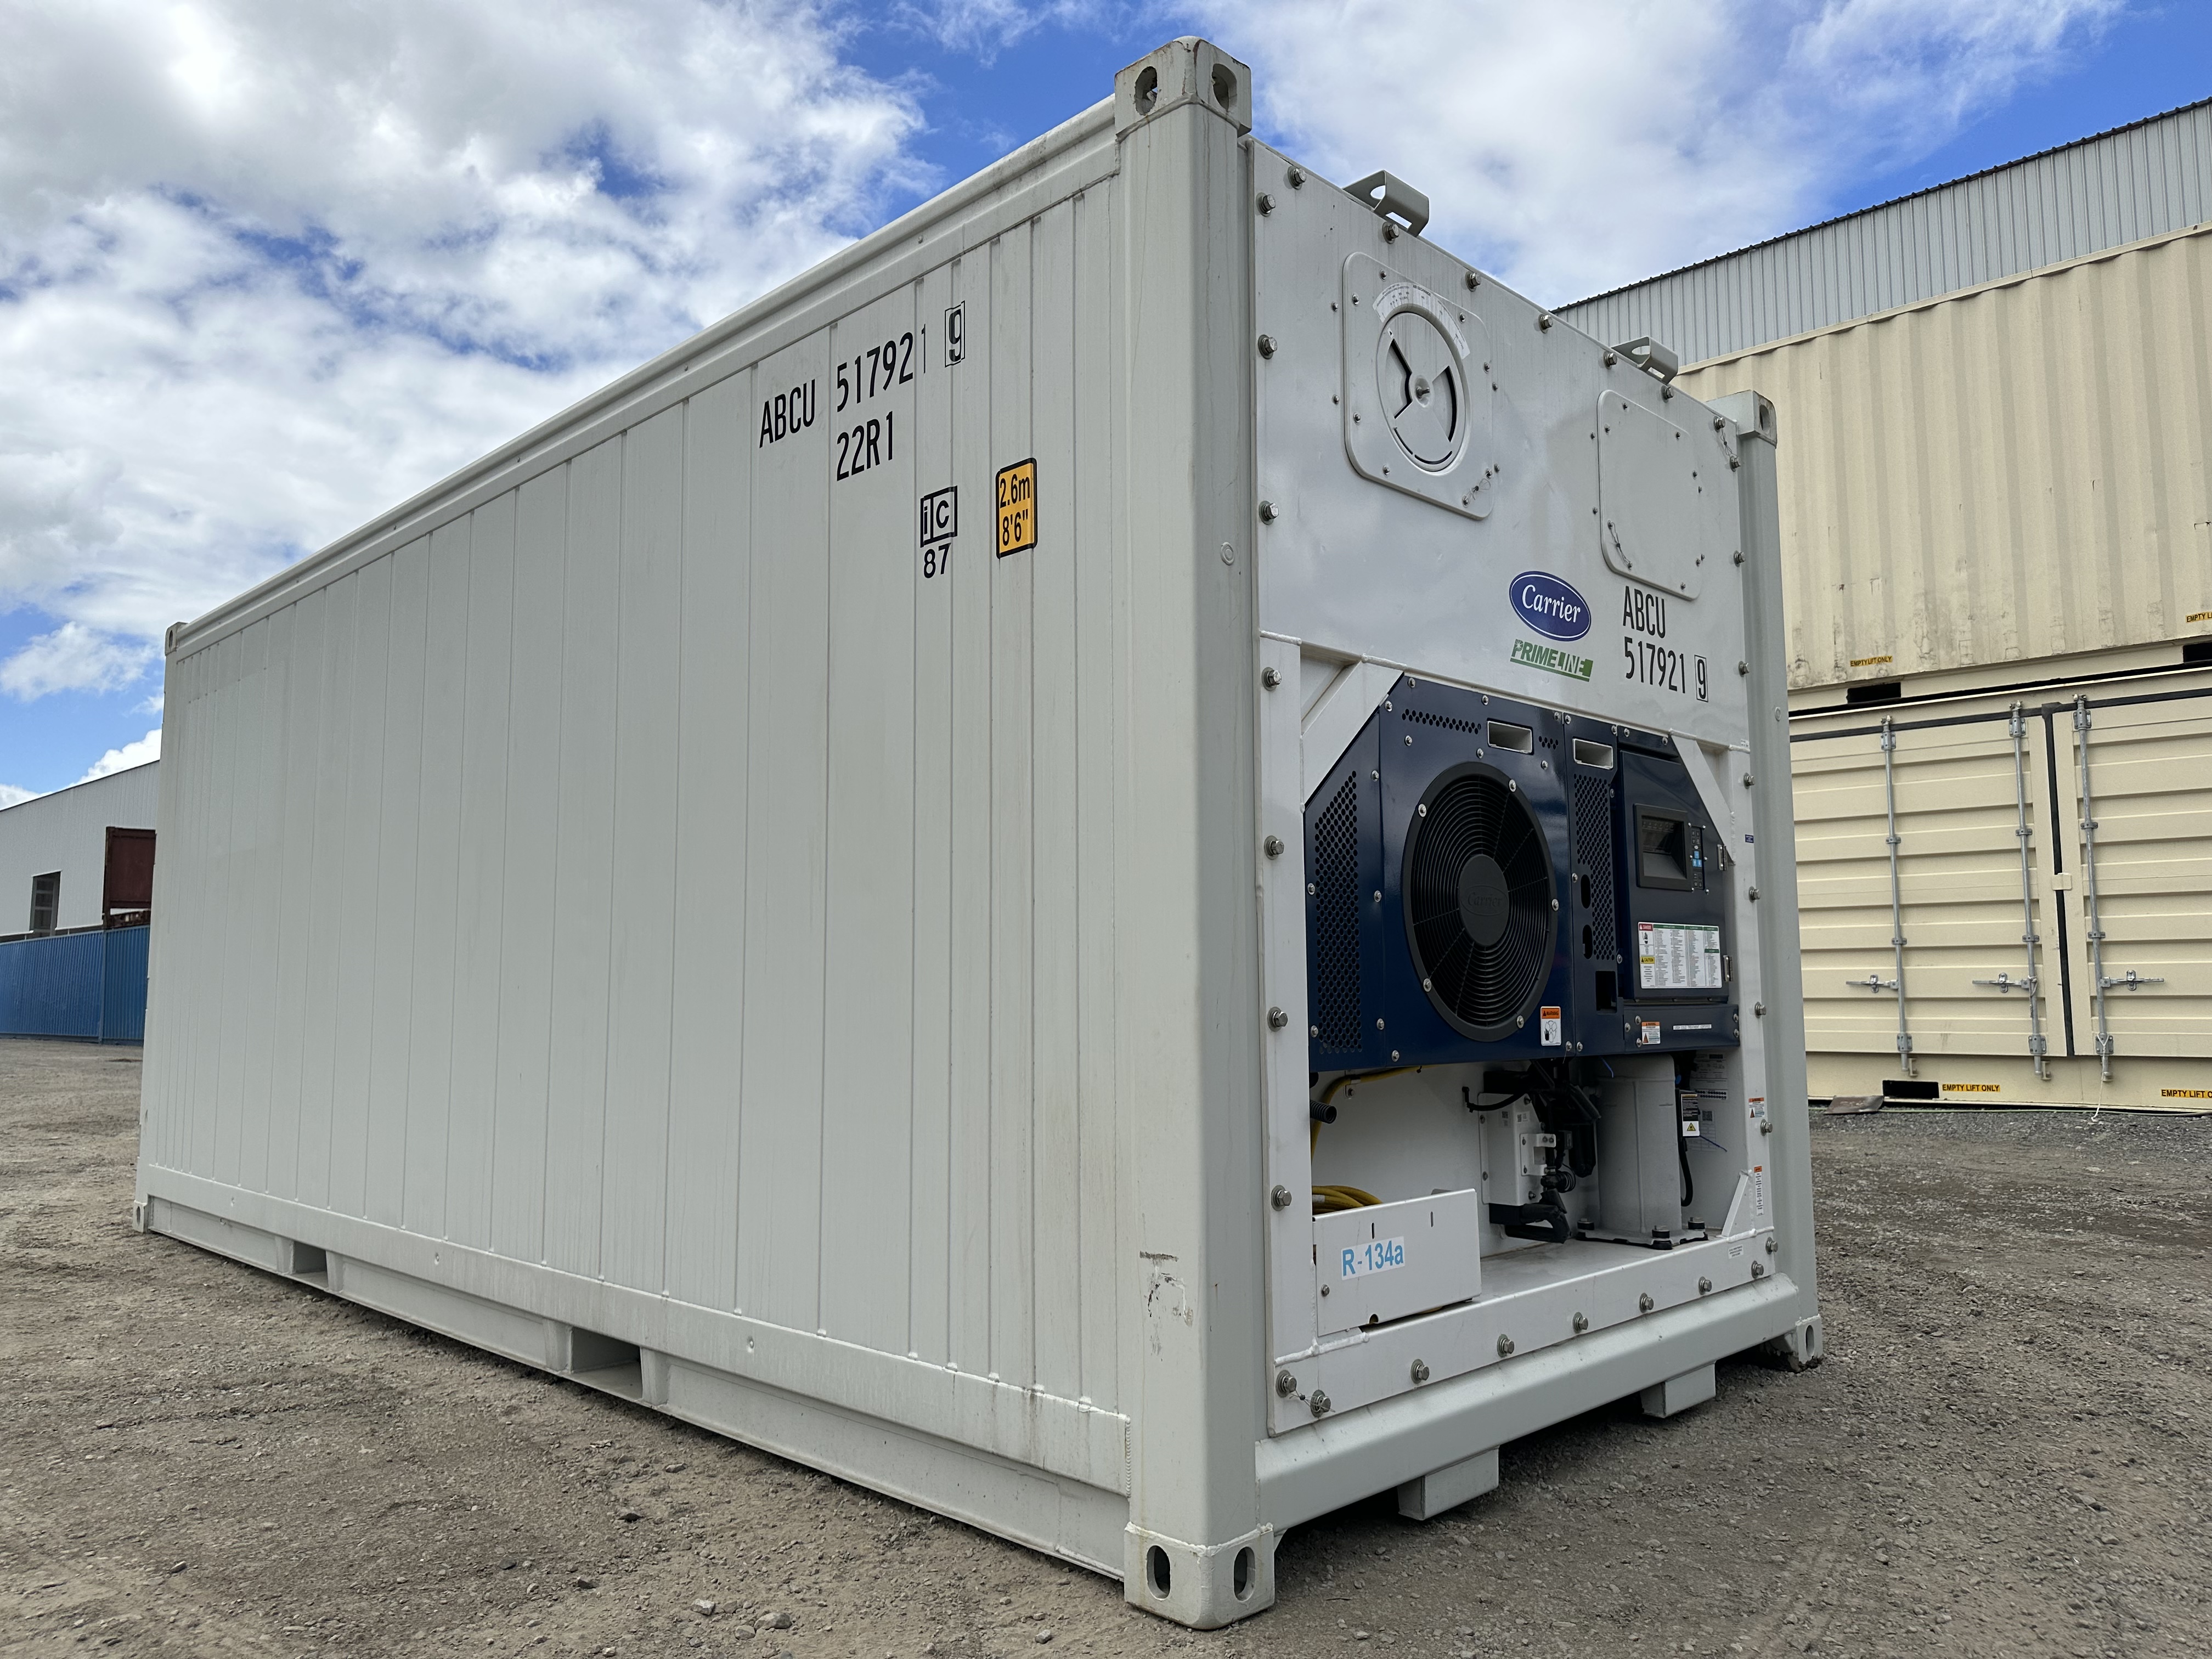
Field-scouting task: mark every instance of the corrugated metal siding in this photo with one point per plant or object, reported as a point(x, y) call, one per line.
point(77, 985)
point(123, 997)
point(612, 880)
point(2104, 192)
point(67, 830)
point(1959, 805)
point(52, 987)
point(2013, 474)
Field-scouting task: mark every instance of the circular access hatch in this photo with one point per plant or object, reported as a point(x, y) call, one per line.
point(1423, 388)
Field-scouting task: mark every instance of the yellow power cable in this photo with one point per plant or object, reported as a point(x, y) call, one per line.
point(1329, 1199)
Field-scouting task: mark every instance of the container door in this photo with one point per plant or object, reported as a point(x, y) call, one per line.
point(1974, 983)
point(2149, 777)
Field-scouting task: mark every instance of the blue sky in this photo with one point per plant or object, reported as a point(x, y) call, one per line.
point(267, 269)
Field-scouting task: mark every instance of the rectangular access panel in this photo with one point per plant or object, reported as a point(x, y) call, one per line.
point(745, 896)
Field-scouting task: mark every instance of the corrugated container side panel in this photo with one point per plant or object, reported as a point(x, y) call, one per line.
point(245, 918)
point(548, 856)
point(358, 888)
point(323, 930)
point(582, 892)
point(1099, 509)
point(929, 1089)
point(230, 749)
point(436, 895)
point(1055, 1170)
point(707, 999)
point(180, 884)
point(265, 897)
point(397, 820)
point(295, 909)
point(867, 989)
point(1013, 1351)
point(1944, 467)
point(642, 953)
point(480, 871)
point(974, 1193)
point(780, 1165)
point(533, 773)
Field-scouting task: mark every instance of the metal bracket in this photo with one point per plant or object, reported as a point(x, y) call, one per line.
point(1654, 358)
point(1396, 199)
point(1874, 982)
point(2004, 981)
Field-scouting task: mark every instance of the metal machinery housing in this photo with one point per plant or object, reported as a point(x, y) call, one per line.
point(745, 897)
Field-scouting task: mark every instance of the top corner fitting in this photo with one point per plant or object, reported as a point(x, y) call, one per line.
point(1185, 71)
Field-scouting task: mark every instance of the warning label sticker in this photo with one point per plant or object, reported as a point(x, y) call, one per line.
point(1018, 507)
point(1548, 1025)
point(1678, 955)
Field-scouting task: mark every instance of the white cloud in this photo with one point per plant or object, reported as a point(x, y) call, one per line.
point(266, 270)
point(1574, 148)
point(73, 658)
point(147, 748)
point(11, 796)
point(984, 27)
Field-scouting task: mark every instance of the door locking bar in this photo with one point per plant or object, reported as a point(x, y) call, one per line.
point(1896, 895)
point(2038, 1049)
point(2096, 928)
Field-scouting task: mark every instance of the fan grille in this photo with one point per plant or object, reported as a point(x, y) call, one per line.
point(1336, 920)
point(1479, 902)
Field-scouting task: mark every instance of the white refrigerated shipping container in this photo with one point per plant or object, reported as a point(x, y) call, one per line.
point(838, 889)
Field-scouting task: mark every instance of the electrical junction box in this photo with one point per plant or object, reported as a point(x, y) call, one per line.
point(744, 895)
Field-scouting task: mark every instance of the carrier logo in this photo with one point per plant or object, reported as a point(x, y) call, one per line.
point(1550, 605)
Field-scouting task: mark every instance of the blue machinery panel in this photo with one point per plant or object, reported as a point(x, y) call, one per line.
point(91, 985)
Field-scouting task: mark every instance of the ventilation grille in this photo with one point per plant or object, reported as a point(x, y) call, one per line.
point(1422, 717)
point(1336, 920)
point(1593, 852)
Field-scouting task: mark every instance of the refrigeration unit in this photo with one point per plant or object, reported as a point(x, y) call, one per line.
point(1121, 865)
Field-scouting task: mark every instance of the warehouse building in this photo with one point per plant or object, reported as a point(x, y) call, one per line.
point(1996, 405)
point(76, 893)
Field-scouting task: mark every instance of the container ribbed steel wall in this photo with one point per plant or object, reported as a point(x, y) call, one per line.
point(2118, 187)
point(2014, 473)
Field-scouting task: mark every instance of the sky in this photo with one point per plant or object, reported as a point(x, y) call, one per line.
point(267, 269)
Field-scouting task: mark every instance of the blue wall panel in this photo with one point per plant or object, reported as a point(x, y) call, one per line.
point(122, 1005)
point(87, 985)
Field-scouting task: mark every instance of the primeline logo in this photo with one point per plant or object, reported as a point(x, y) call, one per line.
point(1550, 606)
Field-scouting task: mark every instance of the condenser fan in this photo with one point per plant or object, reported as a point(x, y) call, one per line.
point(1478, 902)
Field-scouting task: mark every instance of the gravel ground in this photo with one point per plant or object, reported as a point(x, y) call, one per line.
point(2005, 1454)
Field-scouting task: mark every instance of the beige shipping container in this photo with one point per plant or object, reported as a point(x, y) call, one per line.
point(2007, 474)
point(2018, 941)
point(1994, 497)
